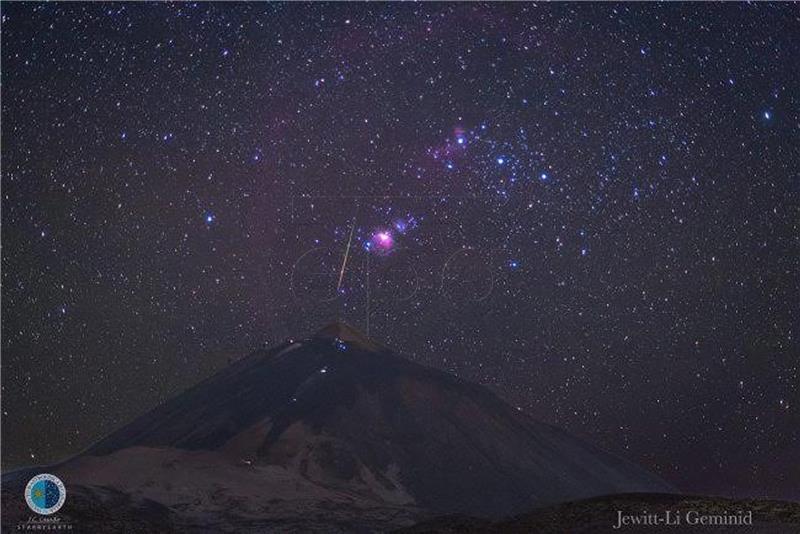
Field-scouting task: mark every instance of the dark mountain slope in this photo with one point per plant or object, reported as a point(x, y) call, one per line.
point(338, 419)
point(337, 403)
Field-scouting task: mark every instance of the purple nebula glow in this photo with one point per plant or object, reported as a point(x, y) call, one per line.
point(382, 241)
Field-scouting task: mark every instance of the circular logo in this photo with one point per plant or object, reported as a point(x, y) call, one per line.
point(45, 494)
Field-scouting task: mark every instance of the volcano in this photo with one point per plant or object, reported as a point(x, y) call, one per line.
point(334, 432)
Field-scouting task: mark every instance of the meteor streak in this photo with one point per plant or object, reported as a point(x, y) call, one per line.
point(346, 254)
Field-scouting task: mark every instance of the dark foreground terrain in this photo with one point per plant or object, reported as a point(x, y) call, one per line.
point(106, 511)
point(336, 433)
point(601, 514)
point(330, 433)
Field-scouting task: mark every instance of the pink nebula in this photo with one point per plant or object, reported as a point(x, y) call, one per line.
point(382, 240)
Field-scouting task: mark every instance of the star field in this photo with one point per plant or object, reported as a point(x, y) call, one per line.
point(591, 209)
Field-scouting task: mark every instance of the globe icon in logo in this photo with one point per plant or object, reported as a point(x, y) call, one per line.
point(45, 494)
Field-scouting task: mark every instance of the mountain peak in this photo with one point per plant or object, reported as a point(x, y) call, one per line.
point(344, 332)
point(319, 425)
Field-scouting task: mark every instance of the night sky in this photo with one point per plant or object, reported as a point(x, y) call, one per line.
point(593, 209)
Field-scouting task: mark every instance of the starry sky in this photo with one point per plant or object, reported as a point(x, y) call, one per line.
point(594, 210)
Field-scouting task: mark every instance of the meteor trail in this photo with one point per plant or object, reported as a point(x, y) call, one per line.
point(346, 254)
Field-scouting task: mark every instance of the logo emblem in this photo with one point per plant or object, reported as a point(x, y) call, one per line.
point(45, 494)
